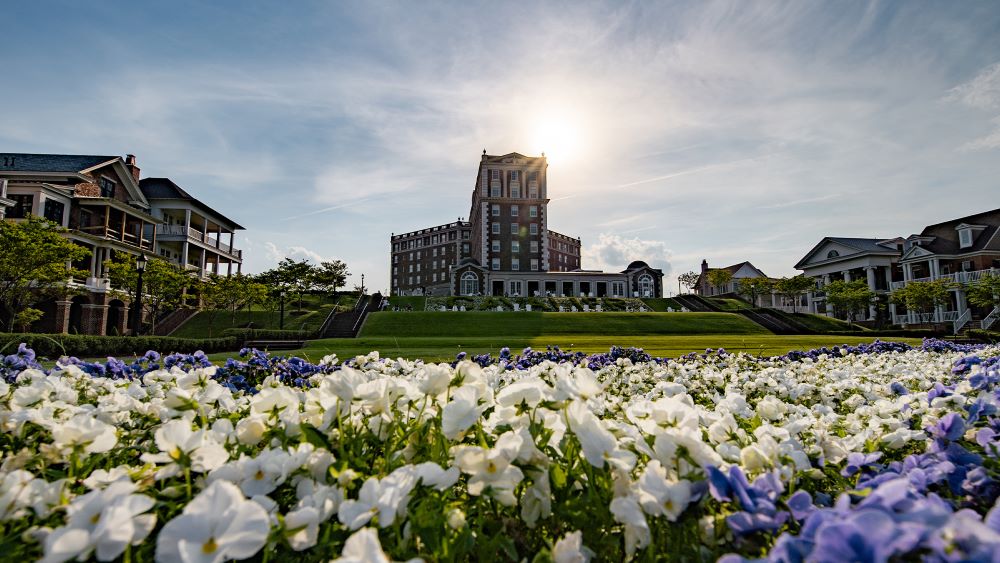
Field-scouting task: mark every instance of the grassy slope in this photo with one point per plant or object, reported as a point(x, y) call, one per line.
point(445, 348)
point(727, 304)
point(820, 323)
point(416, 303)
point(522, 324)
point(660, 304)
point(314, 312)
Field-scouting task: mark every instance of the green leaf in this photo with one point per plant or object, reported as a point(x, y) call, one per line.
point(312, 435)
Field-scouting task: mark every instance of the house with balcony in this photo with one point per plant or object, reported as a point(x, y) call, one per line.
point(98, 200)
point(191, 234)
point(959, 251)
point(875, 260)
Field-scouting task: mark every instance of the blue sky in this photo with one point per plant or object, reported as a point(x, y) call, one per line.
point(676, 131)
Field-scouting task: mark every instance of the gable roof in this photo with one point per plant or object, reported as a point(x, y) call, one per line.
point(942, 238)
point(24, 162)
point(165, 188)
point(860, 245)
point(498, 159)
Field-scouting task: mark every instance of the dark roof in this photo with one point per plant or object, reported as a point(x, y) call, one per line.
point(945, 237)
point(863, 244)
point(165, 188)
point(499, 158)
point(636, 265)
point(22, 162)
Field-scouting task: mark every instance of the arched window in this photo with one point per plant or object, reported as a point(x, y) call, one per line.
point(646, 285)
point(470, 284)
point(832, 254)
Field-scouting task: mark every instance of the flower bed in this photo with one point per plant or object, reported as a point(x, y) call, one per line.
point(851, 453)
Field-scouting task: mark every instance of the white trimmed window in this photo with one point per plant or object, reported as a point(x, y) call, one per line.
point(513, 211)
point(515, 229)
point(496, 264)
point(496, 210)
point(515, 288)
point(470, 284)
point(533, 228)
point(515, 246)
point(515, 264)
point(496, 228)
point(965, 238)
point(645, 285)
point(534, 246)
point(534, 264)
point(496, 246)
point(533, 211)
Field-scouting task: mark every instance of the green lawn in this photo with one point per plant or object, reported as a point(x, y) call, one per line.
point(525, 325)
point(444, 348)
point(660, 304)
point(729, 304)
point(314, 311)
point(819, 323)
point(404, 301)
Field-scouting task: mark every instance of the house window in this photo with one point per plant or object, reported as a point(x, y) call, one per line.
point(107, 188)
point(495, 175)
point(496, 210)
point(515, 264)
point(515, 229)
point(515, 246)
point(434, 277)
point(513, 211)
point(515, 191)
point(495, 265)
point(832, 254)
point(515, 288)
point(54, 210)
point(496, 246)
point(496, 228)
point(534, 246)
point(533, 211)
point(965, 238)
point(470, 284)
point(22, 206)
point(465, 235)
point(646, 285)
point(514, 176)
point(534, 228)
point(465, 248)
point(534, 265)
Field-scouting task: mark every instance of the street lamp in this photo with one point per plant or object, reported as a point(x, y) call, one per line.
point(140, 267)
point(281, 318)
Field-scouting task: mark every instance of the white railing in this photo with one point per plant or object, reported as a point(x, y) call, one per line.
point(921, 318)
point(990, 319)
point(961, 321)
point(956, 277)
point(179, 230)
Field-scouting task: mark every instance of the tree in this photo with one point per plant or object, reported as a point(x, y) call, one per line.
point(329, 276)
point(849, 298)
point(753, 288)
point(793, 287)
point(26, 317)
point(689, 279)
point(294, 277)
point(985, 292)
point(34, 263)
point(230, 293)
point(163, 283)
point(720, 278)
point(922, 297)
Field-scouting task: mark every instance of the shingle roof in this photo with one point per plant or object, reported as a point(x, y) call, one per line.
point(165, 188)
point(23, 162)
point(862, 244)
point(946, 237)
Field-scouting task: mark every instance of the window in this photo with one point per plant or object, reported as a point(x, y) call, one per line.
point(514, 288)
point(496, 228)
point(515, 246)
point(618, 289)
point(434, 265)
point(832, 254)
point(465, 248)
point(513, 211)
point(965, 238)
point(465, 235)
point(470, 284)
point(533, 176)
point(534, 228)
point(22, 206)
point(54, 210)
point(495, 175)
point(645, 285)
point(496, 210)
point(514, 175)
point(534, 264)
point(515, 264)
point(496, 246)
point(434, 277)
point(515, 229)
point(418, 266)
point(107, 188)
point(533, 211)
point(495, 264)
point(515, 191)
point(418, 254)
point(534, 246)
point(495, 190)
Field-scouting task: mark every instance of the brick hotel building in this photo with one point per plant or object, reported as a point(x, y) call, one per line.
point(506, 247)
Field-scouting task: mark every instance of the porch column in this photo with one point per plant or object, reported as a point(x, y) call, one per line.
point(184, 255)
point(935, 267)
point(888, 278)
point(202, 264)
point(907, 272)
point(229, 273)
point(870, 270)
point(187, 221)
point(61, 321)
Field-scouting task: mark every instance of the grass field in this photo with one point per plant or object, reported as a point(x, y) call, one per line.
point(445, 348)
point(315, 308)
point(728, 304)
point(660, 304)
point(819, 323)
point(522, 324)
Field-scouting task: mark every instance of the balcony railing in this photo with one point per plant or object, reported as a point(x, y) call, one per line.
point(990, 319)
point(197, 236)
point(925, 318)
point(956, 277)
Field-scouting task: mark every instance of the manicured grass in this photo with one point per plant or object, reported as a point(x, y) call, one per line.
point(444, 348)
point(660, 304)
point(820, 323)
point(524, 325)
point(314, 311)
point(727, 304)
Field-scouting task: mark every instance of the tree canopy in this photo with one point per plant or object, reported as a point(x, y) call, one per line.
point(849, 298)
point(719, 278)
point(985, 292)
point(688, 279)
point(922, 297)
point(34, 263)
point(792, 288)
point(163, 283)
point(753, 288)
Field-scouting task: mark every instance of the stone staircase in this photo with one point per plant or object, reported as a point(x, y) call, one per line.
point(348, 324)
point(762, 317)
point(696, 303)
point(173, 320)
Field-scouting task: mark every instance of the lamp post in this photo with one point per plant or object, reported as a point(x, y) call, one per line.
point(281, 318)
point(140, 267)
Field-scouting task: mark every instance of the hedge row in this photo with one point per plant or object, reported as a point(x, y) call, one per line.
point(921, 333)
point(90, 346)
point(985, 335)
point(244, 334)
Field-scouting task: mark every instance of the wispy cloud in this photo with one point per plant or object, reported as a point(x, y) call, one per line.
point(697, 170)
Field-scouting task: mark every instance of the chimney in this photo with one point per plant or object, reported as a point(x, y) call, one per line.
point(704, 266)
point(130, 164)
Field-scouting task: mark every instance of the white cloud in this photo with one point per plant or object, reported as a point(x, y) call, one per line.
point(276, 254)
point(982, 92)
point(613, 253)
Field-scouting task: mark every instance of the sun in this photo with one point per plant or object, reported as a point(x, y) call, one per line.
point(558, 136)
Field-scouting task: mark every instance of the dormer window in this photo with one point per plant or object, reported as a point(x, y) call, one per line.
point(965, 238)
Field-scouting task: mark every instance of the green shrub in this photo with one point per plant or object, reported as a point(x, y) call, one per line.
point(91, 346)
point(244, 334)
